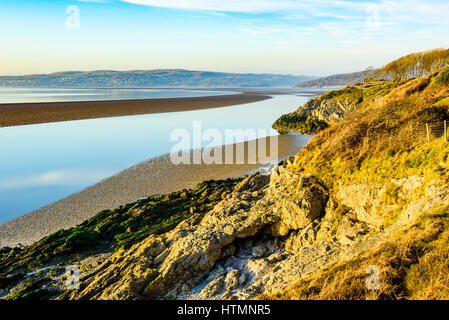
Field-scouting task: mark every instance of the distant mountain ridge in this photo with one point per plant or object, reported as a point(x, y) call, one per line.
point(152, 78)
point(336, 80)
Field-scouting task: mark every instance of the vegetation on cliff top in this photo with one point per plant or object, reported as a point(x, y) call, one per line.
point(413, 66)
point(375, 84)
point(361, 94)
point(408, 67)
point(292, 122)
point(386, 137)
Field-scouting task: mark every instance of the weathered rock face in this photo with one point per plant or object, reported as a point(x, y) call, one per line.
point(328, 110)
point(367, 205)
point(297, 200)
point(177, 261)
point(364, 199)
point(315, 115)
point(434, 195)
point(300, 239)
point(271, 230)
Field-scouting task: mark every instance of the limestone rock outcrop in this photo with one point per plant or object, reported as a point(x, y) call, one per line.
point(297, 200)
point(179, 260)
point(328, 110)
point(272, 229)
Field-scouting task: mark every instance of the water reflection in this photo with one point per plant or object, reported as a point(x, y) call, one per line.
point(46, 162)
point(25, 95)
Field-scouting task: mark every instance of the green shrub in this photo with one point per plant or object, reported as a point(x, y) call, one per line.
point(443, 77)
point(303, 125)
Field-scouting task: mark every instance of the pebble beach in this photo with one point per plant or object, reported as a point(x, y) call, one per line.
point(155, 176)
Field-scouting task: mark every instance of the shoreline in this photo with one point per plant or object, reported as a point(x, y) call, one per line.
point(155, 176)
point(18, 114)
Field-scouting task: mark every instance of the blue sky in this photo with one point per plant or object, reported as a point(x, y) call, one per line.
point(317, 37)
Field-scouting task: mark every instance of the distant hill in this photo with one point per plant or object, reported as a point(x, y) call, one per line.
point(336, 80)
point(152, 78)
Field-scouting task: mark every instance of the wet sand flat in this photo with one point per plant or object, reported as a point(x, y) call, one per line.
point(155, 176)
point(16, 114)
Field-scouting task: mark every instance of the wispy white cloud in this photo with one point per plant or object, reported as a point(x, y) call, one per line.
point(297, 16)
point(57, 178)
point(247, 6)
point(349, 20)
point(400, 10)
point(99, 1)
point(275, 29)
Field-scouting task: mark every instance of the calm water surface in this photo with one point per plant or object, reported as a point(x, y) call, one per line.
point(43, 163)
point(24, 95)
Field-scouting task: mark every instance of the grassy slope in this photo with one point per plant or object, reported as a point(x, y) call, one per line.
point(383, 137)
point(413, 264)
point(358, 94)
point(378, 142)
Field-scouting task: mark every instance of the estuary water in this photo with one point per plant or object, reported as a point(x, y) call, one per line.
point(43, 163)
point(26, 95)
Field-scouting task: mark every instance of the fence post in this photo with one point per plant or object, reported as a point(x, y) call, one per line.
point(428, 133)
point(445, 131)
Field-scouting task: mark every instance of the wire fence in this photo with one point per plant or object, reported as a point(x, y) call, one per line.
point(430, 131)
point(390, 130)
point(415, 129)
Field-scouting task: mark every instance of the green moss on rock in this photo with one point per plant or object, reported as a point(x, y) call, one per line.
point(118, 228)
point(304, 125)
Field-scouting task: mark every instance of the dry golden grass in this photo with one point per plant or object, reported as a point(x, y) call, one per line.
point(383, 139)
point(380, 127)
point(413, 265)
